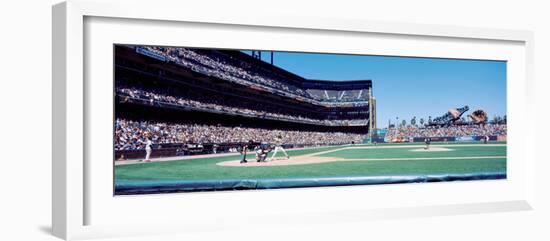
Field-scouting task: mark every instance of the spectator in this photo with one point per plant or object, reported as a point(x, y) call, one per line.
point(130, 135)
point(231, 107)
point(407, 132)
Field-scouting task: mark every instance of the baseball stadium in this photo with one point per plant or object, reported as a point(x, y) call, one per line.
point(196, 119)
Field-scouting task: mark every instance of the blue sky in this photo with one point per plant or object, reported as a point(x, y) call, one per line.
point(405, 87)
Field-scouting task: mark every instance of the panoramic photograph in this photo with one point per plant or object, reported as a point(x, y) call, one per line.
point(192, 119)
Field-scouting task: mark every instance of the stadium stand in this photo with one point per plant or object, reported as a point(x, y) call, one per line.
point(167, 90)
point(219, 105)
point(408, 132)
point(130, 135)
point(229, 67)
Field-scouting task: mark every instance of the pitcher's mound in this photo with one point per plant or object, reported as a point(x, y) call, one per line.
point(433, 148)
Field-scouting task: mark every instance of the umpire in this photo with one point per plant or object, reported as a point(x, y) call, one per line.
point(244, 149)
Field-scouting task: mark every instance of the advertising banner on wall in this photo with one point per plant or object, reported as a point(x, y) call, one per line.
point(436, 139)
point(479, 138)
point(464, 138)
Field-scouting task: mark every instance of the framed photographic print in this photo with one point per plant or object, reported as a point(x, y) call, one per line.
point(207, 119)
point(203, 119)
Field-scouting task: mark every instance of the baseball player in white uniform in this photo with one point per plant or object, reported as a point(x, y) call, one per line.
point(279, 147)
point(148, 144)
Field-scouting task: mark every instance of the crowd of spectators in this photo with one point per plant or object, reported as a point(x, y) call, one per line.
point(359, 96)
point(225, 67)
point(221, 67)
point(446, 131)
point(219, 106)
point(131, 135)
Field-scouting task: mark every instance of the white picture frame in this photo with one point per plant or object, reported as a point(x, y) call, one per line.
point(78, 195)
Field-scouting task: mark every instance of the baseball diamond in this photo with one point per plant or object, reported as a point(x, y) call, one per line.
point(389, 160)
point(203, 119)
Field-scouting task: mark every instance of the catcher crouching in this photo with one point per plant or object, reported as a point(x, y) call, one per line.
point(262, 151)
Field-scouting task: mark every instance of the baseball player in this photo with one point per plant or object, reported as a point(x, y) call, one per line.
point(428, 141)
point(148, 148)
point(279, 147)
point(262, 151)
point(244, 150)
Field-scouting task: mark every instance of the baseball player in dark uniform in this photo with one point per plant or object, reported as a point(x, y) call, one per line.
point(428, 141)
point(244, 150)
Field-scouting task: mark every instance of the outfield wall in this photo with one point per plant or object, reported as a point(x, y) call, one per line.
point(180, 149)
point(447, 139)
point(454, 138)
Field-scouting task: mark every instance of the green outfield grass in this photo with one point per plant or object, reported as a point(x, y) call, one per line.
point(456, 151)
point(206, 168)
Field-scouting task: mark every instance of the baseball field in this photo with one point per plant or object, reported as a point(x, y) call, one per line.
point(412, 160)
